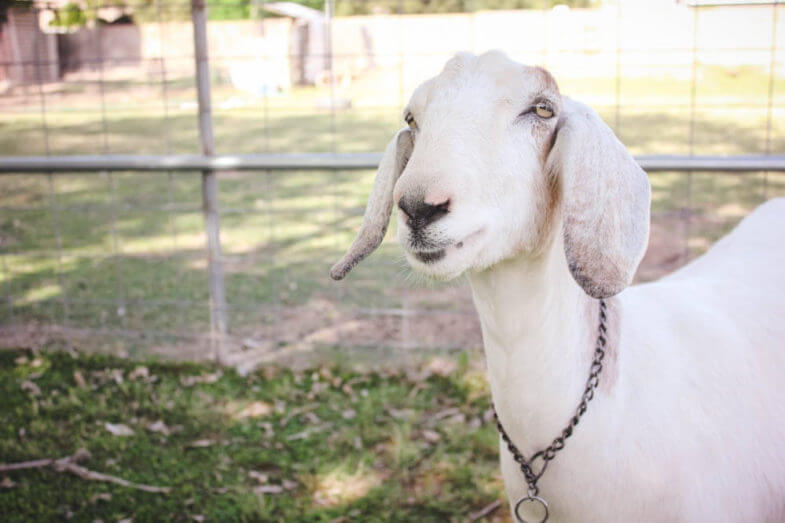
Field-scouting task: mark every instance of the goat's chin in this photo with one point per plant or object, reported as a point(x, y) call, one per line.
point(442, 270)
point(443, 265)
point(446, 259)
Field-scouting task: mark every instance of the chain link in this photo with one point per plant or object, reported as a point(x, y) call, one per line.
point(548, 453)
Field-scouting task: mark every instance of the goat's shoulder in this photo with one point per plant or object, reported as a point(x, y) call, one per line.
point(752, 254)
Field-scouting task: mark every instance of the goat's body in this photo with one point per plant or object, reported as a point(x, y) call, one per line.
point(531, 195)
point(692, 425)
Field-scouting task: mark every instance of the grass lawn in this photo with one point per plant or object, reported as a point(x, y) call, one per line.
point(125, 252)
point(324, 444)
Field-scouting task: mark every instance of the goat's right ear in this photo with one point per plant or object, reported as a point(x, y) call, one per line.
point(380, 203)
point(605, 201)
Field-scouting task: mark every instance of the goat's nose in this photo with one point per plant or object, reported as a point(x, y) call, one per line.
point(419, 213)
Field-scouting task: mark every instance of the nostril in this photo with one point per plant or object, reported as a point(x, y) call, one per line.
point(407, 207)
point(420, 214)
point(431, 213)
point(443, 207)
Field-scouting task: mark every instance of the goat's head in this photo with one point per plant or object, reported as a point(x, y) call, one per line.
point(492, 159)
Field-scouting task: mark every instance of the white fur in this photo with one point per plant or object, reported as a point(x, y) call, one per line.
point(688, 423)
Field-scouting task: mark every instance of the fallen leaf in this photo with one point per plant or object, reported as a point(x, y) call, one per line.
point(201, 443)
point(415, 390)
point(119, 429)
point(485, 511)
point(289, 484)
point(296, 412)
point(117, 376)
point(307, 432)
point(159, 426)
point(349, 414)
point(459, 419)
point(487, 416)
point(446, 413)
point(79, 379)
point(140, 372)
point(103, 496)
point(7, 483)
point(190, 381)
point(198, 517)
point(260, 477)
point(268, 428)
point(441, 367)
point(257, 409)
point(431, 436)
point(401, 414)
point(32, 388)
point(312, 418)
point(268, 489)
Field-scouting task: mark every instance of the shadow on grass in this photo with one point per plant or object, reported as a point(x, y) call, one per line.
point(280, 231)
point(275, 446)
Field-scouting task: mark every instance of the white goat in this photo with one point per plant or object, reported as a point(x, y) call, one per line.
point(533, 197)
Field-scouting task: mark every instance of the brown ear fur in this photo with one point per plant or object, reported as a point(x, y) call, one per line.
point(605, 204)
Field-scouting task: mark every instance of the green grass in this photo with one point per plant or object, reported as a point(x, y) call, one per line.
point(132, 244)
point(370, 446)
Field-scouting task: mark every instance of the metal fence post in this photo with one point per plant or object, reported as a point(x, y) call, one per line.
point(218, 323)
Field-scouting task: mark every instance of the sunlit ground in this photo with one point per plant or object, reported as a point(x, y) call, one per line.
point(326, 444)
point(125, 251)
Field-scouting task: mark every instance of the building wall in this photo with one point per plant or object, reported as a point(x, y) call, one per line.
point(27, 55)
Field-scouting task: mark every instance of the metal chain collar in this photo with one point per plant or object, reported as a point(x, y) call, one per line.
point(548, 453)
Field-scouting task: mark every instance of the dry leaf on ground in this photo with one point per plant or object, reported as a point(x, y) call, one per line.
point(190, 381)
point(268, 489)
point(431, 436)
point(201, 443)
point(7, 483)
point(119, 429)
point(30, 387)
point(79, 379)
point(159, 426)
point(441, 367)
point(140, 372)
point(260, 477)
point(257, 409)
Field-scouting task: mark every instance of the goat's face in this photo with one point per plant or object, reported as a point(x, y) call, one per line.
point(493, 158)
point(474, 189)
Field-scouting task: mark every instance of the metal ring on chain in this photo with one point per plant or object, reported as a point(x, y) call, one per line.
point(531, 500)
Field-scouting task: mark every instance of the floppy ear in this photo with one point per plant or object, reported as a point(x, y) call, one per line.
point(606, 199)
point(377, 213)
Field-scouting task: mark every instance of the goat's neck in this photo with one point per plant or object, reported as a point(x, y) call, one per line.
point(537, 327)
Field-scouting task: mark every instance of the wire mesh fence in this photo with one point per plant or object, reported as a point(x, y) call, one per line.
point(116, 259)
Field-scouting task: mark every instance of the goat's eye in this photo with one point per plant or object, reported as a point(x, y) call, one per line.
point(543, 110)
point(410, 120)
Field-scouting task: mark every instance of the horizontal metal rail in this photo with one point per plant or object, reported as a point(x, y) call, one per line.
point(330, 161)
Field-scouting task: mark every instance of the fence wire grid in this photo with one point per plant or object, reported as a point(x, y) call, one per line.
point(124, 260)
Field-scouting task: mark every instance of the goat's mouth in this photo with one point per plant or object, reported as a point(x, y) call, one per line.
point(430, 256)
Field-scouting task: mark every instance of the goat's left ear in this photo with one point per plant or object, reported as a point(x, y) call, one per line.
point(605, 201)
